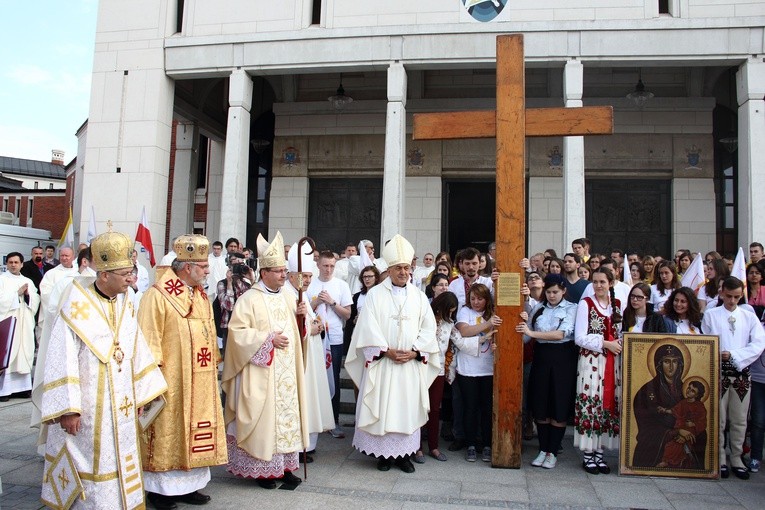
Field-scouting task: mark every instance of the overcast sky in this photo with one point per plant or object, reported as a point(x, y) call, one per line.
point(46, 50)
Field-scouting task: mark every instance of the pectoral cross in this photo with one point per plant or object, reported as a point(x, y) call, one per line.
point(400, 317)
point(125, 407)
point(510, 124)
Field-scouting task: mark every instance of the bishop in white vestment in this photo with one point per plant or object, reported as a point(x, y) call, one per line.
point(393, 359)
point(98, 376)
point(18, 298)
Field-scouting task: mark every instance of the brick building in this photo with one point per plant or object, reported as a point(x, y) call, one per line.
point(34, 193)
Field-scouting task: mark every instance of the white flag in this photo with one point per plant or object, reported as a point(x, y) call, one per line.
point(739, 268)
point(694, 277)
point(92, 225)
point(627, 274)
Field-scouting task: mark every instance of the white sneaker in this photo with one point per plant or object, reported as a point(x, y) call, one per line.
point(550, 461)
point(539, 460)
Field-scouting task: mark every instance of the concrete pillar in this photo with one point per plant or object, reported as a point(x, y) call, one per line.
point(214, 183)
point(394, 168)
point(233, 206)
point(184, 179)
point(750, 88)
point(574, 219)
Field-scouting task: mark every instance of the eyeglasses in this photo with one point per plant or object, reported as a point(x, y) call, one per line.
point(368, 276)
point(129, 274)
point(200, 265)
point(637, 298)
point(277, 271)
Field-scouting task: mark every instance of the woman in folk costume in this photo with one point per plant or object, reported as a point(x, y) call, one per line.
point(317, 357)
point(393, 359)
point(597, 331)
point(19, 299)
point(263, 377)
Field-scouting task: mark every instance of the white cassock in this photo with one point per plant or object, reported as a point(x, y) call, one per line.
point(105, 376)
point(218, 269)
point(47, 284)
point(318, 380)
point(393, 398)
point(420, 273)
point(143, 282)
point(18, 376)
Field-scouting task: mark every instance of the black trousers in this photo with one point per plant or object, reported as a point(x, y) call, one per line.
point(477, 402)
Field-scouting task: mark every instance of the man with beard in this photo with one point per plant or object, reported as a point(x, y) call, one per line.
point(35, 268)
point(574, 285)
point(471, 259)
point(188, 435)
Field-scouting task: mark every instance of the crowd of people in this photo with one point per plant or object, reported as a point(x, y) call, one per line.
point(129, 395)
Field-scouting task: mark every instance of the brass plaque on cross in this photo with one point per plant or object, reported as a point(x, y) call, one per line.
point(509, 289)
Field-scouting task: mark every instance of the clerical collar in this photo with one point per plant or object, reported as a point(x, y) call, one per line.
point(98, 291)
point(263, 285)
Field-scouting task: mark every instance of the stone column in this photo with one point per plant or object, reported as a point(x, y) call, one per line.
point(750, 88)
point(233, 206)
point(574, 224)
point(184, 179)
point(394, 168)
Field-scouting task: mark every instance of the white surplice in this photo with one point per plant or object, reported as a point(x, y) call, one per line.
point(17, 377)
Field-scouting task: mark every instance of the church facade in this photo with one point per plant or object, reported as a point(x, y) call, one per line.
point(235, 117)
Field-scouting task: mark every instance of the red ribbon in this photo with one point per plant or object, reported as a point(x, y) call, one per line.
point(609, 381)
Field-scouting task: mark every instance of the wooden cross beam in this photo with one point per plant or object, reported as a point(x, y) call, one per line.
point(511, 123)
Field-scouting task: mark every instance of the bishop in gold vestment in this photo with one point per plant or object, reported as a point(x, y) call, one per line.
point(98, 374)
point(263, 377)
point(188, 436)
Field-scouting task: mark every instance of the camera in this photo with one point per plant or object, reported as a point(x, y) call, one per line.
point(240, 270)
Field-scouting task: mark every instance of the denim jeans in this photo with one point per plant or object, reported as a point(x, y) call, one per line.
point(758, 418)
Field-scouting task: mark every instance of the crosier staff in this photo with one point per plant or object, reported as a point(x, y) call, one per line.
point(300, 316)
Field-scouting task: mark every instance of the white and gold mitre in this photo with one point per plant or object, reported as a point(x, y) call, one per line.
point(271, 255)
point(111, 250)
point(307, 264)
point(191, 248)
point(398, 251)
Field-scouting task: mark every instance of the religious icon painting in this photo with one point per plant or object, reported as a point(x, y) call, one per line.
point(670, 398)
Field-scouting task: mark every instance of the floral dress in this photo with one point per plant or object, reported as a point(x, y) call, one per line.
point(599, 379)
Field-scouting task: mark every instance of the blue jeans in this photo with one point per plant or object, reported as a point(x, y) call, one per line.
point(758, 418)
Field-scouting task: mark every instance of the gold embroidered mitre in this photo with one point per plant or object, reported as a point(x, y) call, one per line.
point(191, 248)
point(398, 251)
point(112, 250)
point(271, 255)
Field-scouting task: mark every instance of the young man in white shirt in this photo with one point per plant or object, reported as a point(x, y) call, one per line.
point(742, 340)
point(331, 300)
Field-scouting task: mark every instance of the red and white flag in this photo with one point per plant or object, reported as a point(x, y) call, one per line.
point(143, 236)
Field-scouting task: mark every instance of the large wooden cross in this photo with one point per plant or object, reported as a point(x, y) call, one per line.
point(511, 123)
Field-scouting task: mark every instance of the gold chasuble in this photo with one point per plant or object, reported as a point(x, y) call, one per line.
point(266, 402)
point(178, 324)
point(100, 367)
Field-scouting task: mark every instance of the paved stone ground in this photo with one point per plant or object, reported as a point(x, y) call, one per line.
point(342, 478)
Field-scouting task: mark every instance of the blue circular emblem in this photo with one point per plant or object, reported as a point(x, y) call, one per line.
point(484, 10)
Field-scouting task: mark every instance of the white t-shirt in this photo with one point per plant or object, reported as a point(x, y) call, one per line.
point(340, 292)
point(457, 286)
point(474, 366)
point(657, 299)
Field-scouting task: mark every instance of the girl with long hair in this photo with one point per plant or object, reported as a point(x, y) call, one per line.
point(597, 332)
point(682, 313)
point(755, 289)
point(714, 271)
point(438, 285)
point(551, 381)
point(476, 322)
point(639, 315)
point(666, 280)
point(444, 309)
point(649, 264)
